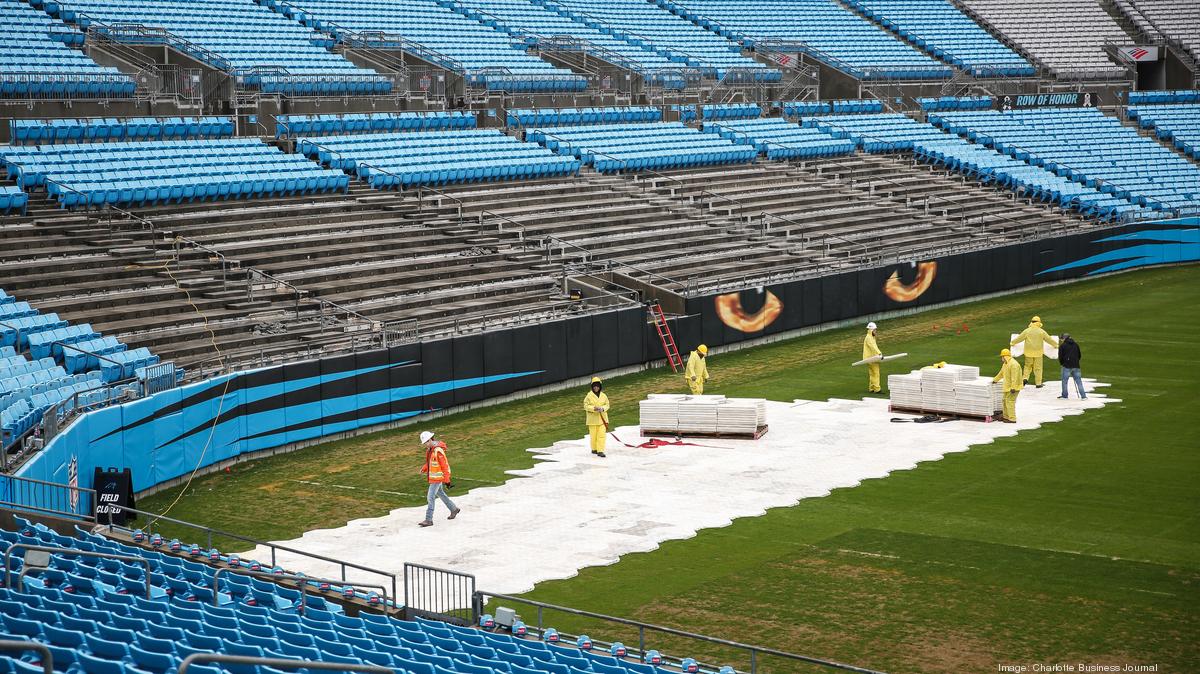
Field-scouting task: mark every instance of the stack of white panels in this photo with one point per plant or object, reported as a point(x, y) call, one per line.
point(937, 387)
point(905, 390)
point(974, 397)
point(698, 415)
point(659, 413)
point(740, 416)
point(702, 414)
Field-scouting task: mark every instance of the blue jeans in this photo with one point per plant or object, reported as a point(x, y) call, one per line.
point(1073, 373)
point(437, 490)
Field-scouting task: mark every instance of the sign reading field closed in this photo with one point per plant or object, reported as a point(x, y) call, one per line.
point(114, 493)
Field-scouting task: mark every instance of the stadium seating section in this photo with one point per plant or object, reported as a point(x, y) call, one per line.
point(266, 49)
point(1088, 147)
point(635, 147)
point(809, 108)
point(94, 617)
point(40, 131)
point(990, 167)
point(44, 360)
point(1165, 19)
point(574, 116)
point(730, 111)
point(938, 27)
point(777, 138)
point(1077, 51)
point(36, 59)
point(823, 28)
point(535, 21)
point(12, 199)
point(884, 132)
point(435, 158)
point(137, 173)
point(362, 122)
point(1178, 124)
point(644, 23)
point(935, 103)
point(453, 40)
point(1158, 97)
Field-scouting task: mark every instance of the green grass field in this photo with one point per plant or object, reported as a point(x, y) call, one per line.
point(1075, 542)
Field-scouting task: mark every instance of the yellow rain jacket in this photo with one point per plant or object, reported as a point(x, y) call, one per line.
point(870, 348)
point(590, 402)
point(697, 368)
point(1010, 374)
point(1034, 337)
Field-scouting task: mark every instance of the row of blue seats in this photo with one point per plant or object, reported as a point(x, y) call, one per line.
point(16, 331)
point(16, 366)
point(27, 392)
point(49, 343)
point(243, 184)
point(938, 103)
point(12, 198)
point(111, 128)
point(840, 106)
point(13, 309)
point(289, 125)
point(1154, 97)
point(885, 132)
point(84, 355)
point(19, 373)
point(730, 111)
point(1178, 124)
point(573, 116)
point(779, 139)
point(687, 113)
point(122, 364)
point(527, 84)
point(22, 83)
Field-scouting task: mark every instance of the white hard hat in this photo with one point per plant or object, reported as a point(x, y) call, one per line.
point(426, 436)
point(871, 325)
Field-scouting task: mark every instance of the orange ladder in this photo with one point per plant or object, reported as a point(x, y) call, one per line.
point(664, 334)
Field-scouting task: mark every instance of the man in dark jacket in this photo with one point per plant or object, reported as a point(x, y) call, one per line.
point(1068, 359)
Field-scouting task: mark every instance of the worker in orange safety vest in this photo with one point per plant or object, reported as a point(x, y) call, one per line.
point(437, 471)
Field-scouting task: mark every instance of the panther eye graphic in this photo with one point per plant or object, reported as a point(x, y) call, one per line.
point(731, 313)
point(899, 291)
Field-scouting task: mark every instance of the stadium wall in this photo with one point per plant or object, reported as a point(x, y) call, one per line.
point(173, 433)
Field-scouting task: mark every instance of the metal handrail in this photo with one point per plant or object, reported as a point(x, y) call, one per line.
point(40, 649)
point(302, 585)
point(278, 663)
point(43, 484)
point(480, 596)
point(273, 547)
point(69, 551)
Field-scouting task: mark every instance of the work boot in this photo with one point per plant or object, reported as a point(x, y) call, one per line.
point(1062, 397)
point(1039, 385)
point(425, 523)
point(1009, 421)
point(454, 513)
point(602, 455)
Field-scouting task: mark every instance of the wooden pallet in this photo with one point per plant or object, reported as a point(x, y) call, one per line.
point(758, 433)
point(995, 416)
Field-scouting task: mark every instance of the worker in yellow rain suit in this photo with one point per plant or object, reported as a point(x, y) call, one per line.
point(1010, 374)
point(1034, 337)
point(870, 348)
point(595, 403)
point(697, 370)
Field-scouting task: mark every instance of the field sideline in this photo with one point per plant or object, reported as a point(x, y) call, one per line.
point(1075, 542)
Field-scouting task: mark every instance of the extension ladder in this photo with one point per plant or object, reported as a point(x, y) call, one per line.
point(664, 334)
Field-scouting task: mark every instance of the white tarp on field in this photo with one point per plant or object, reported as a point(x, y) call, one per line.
point(573, 510)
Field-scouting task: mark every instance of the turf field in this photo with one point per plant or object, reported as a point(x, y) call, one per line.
point(1077, 543)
